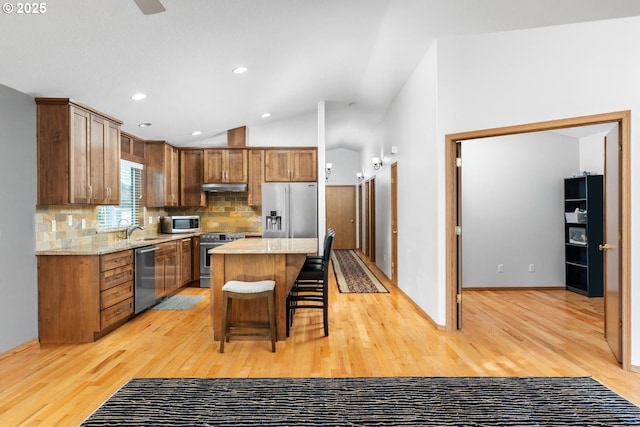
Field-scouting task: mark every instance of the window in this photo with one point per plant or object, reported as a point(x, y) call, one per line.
point(130, 208)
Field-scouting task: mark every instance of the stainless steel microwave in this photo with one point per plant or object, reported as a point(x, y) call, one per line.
point(179, 224)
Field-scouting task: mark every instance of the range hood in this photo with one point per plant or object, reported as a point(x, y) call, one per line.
point(217, 187)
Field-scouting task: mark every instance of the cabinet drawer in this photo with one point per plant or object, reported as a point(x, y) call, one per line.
point(116, 276)
point(116, 294)
point(115, 313)
point(116, 259)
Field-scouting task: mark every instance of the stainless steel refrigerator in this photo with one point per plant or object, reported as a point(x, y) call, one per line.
point(289, 209)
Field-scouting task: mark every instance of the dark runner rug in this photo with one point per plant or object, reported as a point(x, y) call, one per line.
point(414, 401)
point(352, 275)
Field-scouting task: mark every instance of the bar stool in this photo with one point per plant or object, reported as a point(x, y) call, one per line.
point(236, 289)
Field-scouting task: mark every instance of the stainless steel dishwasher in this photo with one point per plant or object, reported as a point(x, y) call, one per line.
point(145, 278)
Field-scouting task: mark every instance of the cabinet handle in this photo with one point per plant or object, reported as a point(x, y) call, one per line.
point(89, 190)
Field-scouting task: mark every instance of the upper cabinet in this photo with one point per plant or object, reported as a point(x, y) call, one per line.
point(191, 178)
point(256, 176)
point(225, 165)
point(161, 183)
point(296, 164)
point(78, 154)
point(131, 148)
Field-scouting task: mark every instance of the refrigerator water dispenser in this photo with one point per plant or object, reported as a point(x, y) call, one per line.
point(273, 222)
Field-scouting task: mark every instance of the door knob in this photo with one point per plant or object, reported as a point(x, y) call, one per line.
point(605, 247)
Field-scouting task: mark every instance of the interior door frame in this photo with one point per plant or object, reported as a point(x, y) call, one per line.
point(623, 118)
point(394, 223)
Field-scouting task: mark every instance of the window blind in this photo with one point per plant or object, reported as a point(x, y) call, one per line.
point(129, 211)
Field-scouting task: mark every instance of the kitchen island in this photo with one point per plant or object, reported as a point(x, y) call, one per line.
point(252, 260)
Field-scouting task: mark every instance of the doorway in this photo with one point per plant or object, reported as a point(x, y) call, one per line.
point(454, 296)
point(341, 215)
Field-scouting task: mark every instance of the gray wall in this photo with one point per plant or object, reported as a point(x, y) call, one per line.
point(512, 209)
point(18, 271)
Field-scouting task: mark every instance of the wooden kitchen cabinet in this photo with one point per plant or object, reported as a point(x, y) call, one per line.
point(167, 269)
point(298, 164)
point(161, 183)
point(78, 154)
point(195, 258)
point(131, 148)
point(256, 177)
point(192, 178)
point(83, 297)
point(186, 273)
point(227, 165)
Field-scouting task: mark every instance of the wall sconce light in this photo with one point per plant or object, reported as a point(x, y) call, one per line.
point(359, 176)
point(377, 163)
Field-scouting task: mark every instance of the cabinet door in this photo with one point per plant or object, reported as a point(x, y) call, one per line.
point(171, 175)
point(79, 156)
point(276, 165)
point(161, 261)
point(97, 140)
point(236, 166)
point(185, 267)
point(304, 165)
point(191, 178)
point(213, 166)
point(112, 164)
point(172, 269)
point(256, 177)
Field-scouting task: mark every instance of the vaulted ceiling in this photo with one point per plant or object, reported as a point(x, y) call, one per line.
point(356, 54)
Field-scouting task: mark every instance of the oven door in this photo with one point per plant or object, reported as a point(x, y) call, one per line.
point(205, 262)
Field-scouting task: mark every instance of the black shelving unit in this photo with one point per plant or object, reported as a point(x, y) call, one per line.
point(583, 258)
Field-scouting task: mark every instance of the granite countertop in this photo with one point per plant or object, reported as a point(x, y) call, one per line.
point(121, 245)
point(268, 246)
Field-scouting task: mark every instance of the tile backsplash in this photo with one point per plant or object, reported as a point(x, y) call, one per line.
point(225, 212)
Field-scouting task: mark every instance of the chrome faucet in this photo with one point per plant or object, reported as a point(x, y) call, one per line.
point(133, 228)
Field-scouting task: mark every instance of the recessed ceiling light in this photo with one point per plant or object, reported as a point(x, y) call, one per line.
point(240, 70)
point(138, 96)
point(196, 133)
point(144, 125)
point(265, 115)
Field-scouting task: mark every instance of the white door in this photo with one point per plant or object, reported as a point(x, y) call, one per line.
point(611, 246)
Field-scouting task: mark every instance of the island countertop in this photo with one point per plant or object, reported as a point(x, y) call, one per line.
point(268, 246)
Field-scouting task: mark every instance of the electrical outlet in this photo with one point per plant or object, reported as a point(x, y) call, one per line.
point(70, 220)
point(500, 268)
point(532, 268)
point(150, 220)
point(84, 223)
point(53, 226)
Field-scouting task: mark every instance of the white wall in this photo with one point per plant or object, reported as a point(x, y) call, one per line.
point(410, 124)
point(512, 209)
point(299, 131)
point(534, 75)
point(592, 154)
point(18, 271)
point(346, 163)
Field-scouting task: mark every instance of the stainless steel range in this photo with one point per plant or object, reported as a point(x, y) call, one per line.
point(209, 241)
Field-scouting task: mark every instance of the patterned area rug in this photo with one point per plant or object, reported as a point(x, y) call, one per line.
point(416, 401)
point(352, 275)
point(178, 302)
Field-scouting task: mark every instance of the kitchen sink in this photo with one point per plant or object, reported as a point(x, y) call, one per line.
point(147, 239)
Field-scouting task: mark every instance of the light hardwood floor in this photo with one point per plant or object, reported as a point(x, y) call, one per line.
point(505, 333)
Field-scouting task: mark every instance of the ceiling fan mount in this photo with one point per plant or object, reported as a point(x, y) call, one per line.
point(150, 7)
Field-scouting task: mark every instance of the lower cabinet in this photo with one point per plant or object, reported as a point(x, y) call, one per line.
point(83, 297)
point(186, 274)
point(167, 268)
